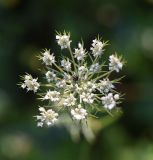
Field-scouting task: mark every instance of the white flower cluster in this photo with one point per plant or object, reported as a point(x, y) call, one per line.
point(50, 76)
point(77, 84)
point(30, 83)
point(94, 68)
point(63, 40)
point(48, 58)
point(109, 101)
point(79, 53)
point(48, 117)
point(52, 96)
point(79, 113)
point(66, 64)
point(97, 47)
point(105, 85)
point(115, 63)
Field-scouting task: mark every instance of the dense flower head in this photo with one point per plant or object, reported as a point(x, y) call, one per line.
point(52, 96)
point(115, 63)
point(47, 117)
point(50, 76)
point(108, 101)
point(30, 83)
point(48, 58)
point(79, 53)
point(63, 40)
point(97, 47)
point(79, 113)
point(69, 100)
point(105, 85)
point(94, 68)
point(66, 64)
point(79, 86)
point(87, 97)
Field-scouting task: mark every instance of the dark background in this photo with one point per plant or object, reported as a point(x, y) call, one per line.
point(27, 27)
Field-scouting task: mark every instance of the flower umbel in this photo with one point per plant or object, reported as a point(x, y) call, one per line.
point(80, 86)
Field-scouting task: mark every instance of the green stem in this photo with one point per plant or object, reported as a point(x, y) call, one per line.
point(109, 113)
point(73, 61)
point(90, 58)
point(103, 75)
point(59, 68)
point(47, 85)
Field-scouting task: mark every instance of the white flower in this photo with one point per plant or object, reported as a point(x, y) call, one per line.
point(116, 97)
point(48, 58)
point(105, 85)
point(114, 63)
point(108, 101)
point(97, 47)
point(82, 72)
point(82, 69)
point(66, 64)
point(94, 68)
point(30, 83)
point(79, 113)
point(70, 100)
point(61, 83)
point(47, 117)
point(88, 86)
point(63, 40)
point(87, 97)
point(50, 76)
point(79, 52)
point(52, 96)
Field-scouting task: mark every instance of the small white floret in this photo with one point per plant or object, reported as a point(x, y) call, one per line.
point(116, 97)
point(87, 97)
point(30, 83)
point(114, 63)
point(70, 100)
point(48, 58)
point(50, 76)
point(97, 47)
point(53, 96)
point(79, 113)
point(88, 86)
point(94, 68)
point(79, 52)
point(66, 64)
point(63, 40)
point(108, 101)
point(105, 85)
point(47, 117)
point(61, 83)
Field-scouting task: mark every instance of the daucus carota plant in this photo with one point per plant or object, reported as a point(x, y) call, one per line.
point(79, 86)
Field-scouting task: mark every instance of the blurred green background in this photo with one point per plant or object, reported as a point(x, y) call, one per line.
point(26, 27)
